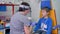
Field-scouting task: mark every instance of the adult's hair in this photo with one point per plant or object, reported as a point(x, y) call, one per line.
point(25, 3)
point(23, 9)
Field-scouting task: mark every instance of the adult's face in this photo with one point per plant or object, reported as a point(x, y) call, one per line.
point(27, 11)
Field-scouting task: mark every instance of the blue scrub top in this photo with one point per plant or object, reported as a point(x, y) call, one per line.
point(46, 21)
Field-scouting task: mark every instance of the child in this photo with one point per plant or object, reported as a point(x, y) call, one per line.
point(44, 26)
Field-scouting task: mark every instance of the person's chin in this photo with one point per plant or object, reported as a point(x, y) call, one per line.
point(43, 16)
point(25, 14)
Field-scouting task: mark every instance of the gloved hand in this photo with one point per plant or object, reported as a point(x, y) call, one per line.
point(33, 23)
point(55, 27)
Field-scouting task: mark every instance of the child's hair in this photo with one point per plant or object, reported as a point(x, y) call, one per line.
point(46, 8)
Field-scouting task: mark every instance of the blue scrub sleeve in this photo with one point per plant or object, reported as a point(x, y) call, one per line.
point(49, 27)
point(38, 25)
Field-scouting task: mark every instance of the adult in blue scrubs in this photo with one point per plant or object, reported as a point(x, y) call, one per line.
point(44, 25)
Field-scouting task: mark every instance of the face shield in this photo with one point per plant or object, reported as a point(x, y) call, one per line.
point(23, 7)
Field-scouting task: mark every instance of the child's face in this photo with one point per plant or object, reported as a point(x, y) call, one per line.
point(44, 13)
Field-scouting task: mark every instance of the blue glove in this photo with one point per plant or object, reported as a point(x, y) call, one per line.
point(57, 26)
point(33, 24)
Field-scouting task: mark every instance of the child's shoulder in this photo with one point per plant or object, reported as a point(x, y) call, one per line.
point(49, 19)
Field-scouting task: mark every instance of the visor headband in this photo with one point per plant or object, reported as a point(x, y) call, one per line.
point(23, 6)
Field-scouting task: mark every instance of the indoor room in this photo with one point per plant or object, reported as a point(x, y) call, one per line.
point(29, 17)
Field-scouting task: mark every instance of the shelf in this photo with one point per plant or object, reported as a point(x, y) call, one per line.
point(9, 5)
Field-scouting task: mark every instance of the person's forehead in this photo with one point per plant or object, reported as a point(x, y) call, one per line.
point(43, 10)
